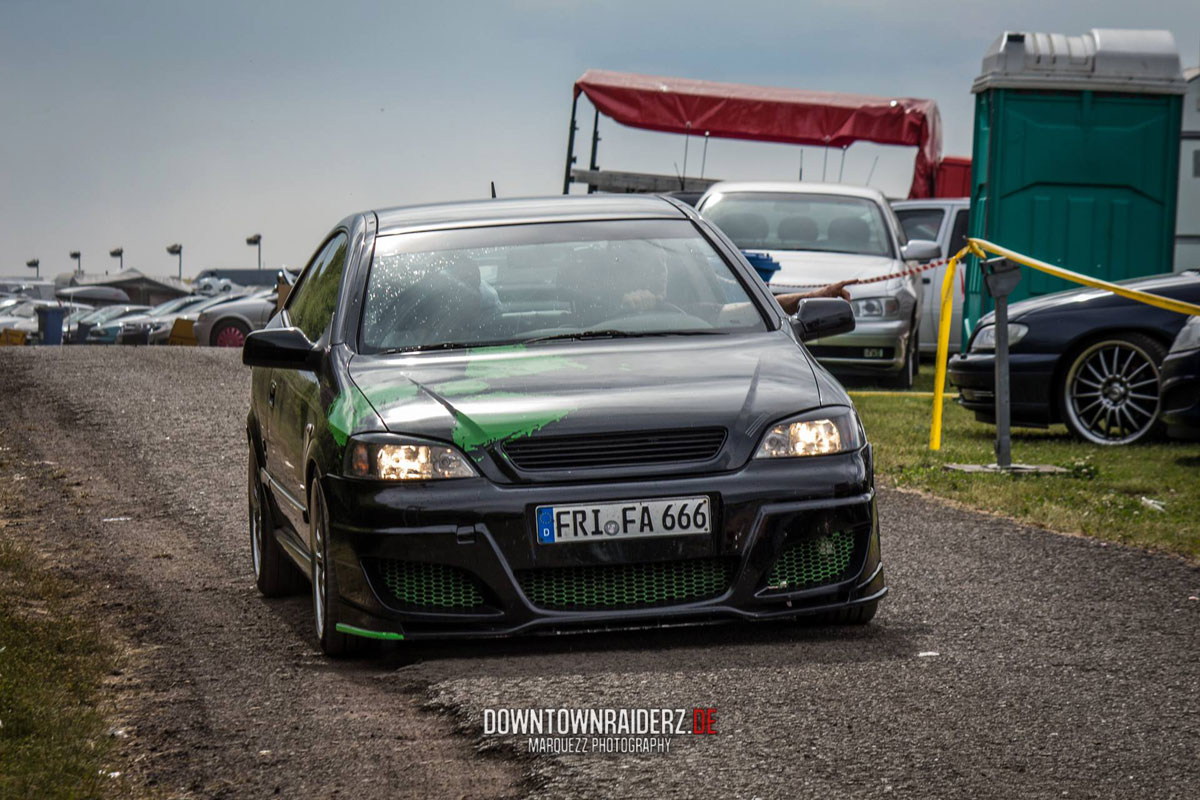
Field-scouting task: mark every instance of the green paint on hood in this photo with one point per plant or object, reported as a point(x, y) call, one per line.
point(348, 411)
point(473, 434)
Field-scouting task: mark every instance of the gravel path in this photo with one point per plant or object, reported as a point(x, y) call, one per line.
point(1007, 662)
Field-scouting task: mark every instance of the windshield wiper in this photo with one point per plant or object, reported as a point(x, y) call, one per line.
point(617, 334)
point(420, 348)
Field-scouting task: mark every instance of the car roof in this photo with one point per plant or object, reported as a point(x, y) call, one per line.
point(798, 187)
point(512, 211)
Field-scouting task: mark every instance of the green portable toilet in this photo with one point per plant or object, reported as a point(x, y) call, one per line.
point(1076, 156)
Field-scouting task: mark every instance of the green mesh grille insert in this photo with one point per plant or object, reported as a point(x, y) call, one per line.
point(436, 587)
point(626, 585)
point(811, 562)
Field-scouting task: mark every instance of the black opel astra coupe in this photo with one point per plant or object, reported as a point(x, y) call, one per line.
point(573, 413)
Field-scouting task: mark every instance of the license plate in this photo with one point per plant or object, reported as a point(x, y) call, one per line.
point(872, 352)
point(631, 519)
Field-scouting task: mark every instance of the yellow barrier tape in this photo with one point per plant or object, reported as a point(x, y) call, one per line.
point(980, 248)
point(1158, 301)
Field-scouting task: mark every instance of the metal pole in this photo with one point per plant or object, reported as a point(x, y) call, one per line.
point(687, 138)
point(704, 158)
point(825, 163)
point(1003, 411)
point(180, 263)
point(570, 147)
point(1001, 277)
point(260, 253)
point(592, 165)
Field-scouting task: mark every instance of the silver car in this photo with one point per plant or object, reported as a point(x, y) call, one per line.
point(226, 324)
point(815, 234)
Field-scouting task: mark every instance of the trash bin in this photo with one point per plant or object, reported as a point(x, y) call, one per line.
point(1076, 155)
point(763, 264)
point(50, 321)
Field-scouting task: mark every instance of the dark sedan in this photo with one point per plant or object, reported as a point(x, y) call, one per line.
point(1086, 358)
point(511, 416)
point(1180, 381)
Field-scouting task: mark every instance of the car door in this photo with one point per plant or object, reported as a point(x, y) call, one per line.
point(295, 394)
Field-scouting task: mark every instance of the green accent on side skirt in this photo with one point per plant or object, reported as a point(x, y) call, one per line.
point(342, 627)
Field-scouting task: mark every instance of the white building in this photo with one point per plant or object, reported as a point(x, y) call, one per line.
point(1187, 225)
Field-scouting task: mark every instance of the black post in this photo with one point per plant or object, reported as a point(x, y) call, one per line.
point(592, 165)
point(570, 147)
point(1001, 277)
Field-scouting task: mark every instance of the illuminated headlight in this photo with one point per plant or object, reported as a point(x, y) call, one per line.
point(985, 340)
point(1189, 336)
point(878, 307)
point(820, 433)
point(406, 461)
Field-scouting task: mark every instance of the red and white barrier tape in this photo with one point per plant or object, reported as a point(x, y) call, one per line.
point(857, 281)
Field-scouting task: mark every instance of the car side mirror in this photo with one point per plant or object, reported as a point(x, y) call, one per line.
point(281, 348)
point(921, 250)
point(818, 317)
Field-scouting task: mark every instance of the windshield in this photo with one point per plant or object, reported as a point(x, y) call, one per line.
point(797, 221)
point(519, 283)
point(173, 305)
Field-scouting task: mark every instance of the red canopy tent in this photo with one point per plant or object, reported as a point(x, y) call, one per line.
point(759, 113)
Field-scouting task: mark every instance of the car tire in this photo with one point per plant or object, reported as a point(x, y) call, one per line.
point(1113, 379)
point(228, 333)
point(274, 573)
point(904, 378)
point(325, 594)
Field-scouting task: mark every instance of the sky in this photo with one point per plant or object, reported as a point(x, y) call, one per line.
point(143, 124)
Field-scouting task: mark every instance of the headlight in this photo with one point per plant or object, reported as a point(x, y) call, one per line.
point(1189, 337)
point(818, 433)
point(405, 461)
point(985, 340)
point(879, 307)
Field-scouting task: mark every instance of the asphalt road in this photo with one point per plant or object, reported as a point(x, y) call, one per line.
point(1007, 662)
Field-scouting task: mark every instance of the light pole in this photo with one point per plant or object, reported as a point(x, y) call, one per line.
point(256, 241)
point(119, 253)
point(177, 250)
point(78, 261)
point(33, 265)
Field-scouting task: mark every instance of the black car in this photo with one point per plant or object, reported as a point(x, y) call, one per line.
point(1087, 358)
point(574, 413)
point(1180, 382)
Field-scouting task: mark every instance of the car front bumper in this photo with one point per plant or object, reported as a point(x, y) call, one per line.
point(1179, 390)
point(1030, 391)
point(873, 347)
point(461, 559)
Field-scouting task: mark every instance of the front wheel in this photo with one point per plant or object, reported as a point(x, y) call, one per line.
point(325, 595)
point(1109, 394)
point(229, 333)
point(904, 378)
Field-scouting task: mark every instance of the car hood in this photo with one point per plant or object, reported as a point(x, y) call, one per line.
point(489, 395)
point(808, 268)
point(1178, 285)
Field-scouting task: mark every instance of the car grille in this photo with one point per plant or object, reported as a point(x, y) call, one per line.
point(622, 586)
point(616, 449)
point(420, 586)
point(811, 562)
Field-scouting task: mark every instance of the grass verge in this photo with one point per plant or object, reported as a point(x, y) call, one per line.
point(52, 737)
point(1101, 496)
